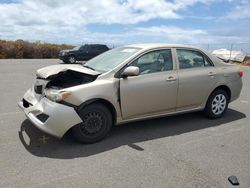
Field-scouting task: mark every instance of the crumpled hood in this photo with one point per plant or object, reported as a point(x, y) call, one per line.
point(55, 69)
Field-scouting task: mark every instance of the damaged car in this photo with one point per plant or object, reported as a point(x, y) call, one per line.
point(129, 83)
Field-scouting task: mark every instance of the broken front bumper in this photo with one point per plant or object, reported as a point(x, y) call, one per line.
point(51, 117)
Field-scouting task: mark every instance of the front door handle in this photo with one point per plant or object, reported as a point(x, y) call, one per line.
point(171, 78)
point(211, 74)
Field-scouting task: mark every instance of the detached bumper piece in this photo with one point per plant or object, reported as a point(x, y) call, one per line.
point(233, 180)
point(51, 117)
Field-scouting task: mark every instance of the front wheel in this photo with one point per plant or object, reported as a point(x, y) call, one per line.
point(71, 59)
point(96, 123)
point(217, 104)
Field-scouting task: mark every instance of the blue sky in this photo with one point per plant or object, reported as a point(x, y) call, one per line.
point(206, 23)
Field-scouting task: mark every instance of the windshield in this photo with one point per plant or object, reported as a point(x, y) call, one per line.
point(76, 48)
point(110, 59)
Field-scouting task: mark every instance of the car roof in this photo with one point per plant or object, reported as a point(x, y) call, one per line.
point(94, 45)
point(160, 45)
point(149, 46)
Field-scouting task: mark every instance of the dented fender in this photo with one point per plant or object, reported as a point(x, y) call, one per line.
point(104, 89)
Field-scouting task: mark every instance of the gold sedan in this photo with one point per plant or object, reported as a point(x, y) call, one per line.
point(127, 84)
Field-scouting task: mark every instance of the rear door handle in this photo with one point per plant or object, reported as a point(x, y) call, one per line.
point(211, 74)
point(171, 78)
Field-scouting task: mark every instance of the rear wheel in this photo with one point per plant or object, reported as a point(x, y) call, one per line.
point(96, 123)
point(217, 104)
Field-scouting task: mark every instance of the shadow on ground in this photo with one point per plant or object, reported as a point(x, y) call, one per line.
point(42, 145)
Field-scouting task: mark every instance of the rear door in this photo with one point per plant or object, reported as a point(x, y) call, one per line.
point(83, 53)
point(93, 51)
point(154, 90)
point(197, 77)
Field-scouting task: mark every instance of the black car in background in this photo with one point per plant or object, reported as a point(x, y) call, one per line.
point(82, 53)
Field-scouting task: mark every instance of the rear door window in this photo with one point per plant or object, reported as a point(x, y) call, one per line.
point(83, 48)
point(192, 59)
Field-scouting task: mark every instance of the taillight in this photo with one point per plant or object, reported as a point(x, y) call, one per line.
point(240, 73)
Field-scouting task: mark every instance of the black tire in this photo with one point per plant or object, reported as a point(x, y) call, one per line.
point(216, 109)
point(97, 122)
point(71, 59)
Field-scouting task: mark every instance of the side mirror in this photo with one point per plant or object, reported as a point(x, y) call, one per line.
point(130, 71)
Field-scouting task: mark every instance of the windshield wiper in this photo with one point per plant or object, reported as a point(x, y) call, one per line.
point(89, 67)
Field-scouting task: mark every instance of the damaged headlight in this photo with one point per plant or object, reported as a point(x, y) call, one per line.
point(57, 96)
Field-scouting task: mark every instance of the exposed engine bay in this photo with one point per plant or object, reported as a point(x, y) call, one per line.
point(64, 79)
point(69, 78)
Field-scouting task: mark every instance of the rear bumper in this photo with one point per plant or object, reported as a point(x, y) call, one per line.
point(235, 88)
point(59, 118)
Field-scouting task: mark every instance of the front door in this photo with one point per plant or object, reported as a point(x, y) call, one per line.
point(154, 90)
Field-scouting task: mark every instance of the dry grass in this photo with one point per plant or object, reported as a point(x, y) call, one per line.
point(20, 49)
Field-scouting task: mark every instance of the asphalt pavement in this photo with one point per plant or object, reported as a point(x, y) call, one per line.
point(186, 150)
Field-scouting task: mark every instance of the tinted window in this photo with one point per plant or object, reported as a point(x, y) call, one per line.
point(155, 61)
point(83, 48)
point(97, 47)
point(101, 47)
point(192, 59)
point(93, 48)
